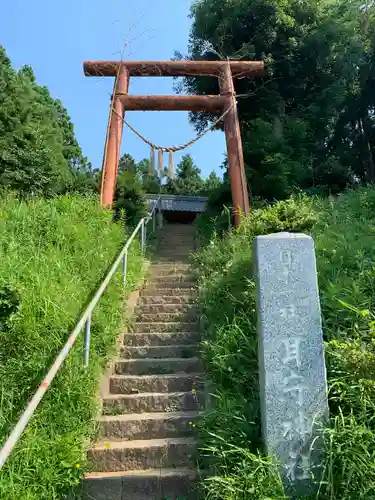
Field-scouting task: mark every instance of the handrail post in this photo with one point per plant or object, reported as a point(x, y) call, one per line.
point(160, 215)
point(143, 236)
point(87, 342)
point(124, 268)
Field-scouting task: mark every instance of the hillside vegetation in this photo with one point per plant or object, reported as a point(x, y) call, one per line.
point(343, 230)
point(309, 122)
point(54, 254)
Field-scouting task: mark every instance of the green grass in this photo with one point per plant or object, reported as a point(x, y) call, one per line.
point(54, 254)
point(344, 231)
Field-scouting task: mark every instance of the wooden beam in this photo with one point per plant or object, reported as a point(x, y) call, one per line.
point(173, 68)
point(211, 103)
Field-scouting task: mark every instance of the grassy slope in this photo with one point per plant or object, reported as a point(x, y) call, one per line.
point(53, 256)
point(344, 235)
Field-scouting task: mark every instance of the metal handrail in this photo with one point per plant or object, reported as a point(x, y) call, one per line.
point(84, 322)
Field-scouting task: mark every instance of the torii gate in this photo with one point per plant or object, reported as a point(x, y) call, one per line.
point(226, 102)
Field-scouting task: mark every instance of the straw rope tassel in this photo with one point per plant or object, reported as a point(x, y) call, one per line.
point(151, 169)
point(171, 166)
point(160, 158)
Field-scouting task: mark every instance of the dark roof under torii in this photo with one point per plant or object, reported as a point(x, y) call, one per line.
point(179, 203)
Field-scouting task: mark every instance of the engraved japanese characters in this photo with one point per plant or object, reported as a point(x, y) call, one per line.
point(292, 372)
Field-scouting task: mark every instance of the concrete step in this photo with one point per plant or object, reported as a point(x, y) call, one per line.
point(149, 366)
point(155, 484)
point(178, 236)
point(177, 276)
point(176, 248)
point(177, 242)
point(173, 279)
point(175, 234)
point(166, 299)
point(143, 454)
point(178, 228)
point(157, 352)
point(170, 284)
point(160, 339)
point(162, 317)
point(191, 233)
point(163, 292)
point(165, 308)
point(182, 234)
point(173, 254)
point(148, 426)
point(174, 260)
point(169, 270)
point(165, 327)
point(175, 226)
point(153, 402)
point(136, 384)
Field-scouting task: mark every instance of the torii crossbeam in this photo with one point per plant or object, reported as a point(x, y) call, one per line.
point(226, 103)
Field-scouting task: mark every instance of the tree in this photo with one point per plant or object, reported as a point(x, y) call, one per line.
point(129, 197)
point(128, 164)
point(309, 122)
point(188, 179)
point(71, 150)
point(31, 151)
point(150, 180)
point(39, 153)
point(212, 183)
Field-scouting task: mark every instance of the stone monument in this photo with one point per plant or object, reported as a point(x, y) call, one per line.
point(292, 373)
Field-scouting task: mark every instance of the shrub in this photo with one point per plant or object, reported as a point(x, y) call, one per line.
point(129, 198)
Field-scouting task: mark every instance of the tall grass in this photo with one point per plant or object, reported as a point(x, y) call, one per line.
point(343, 230)
point(54, 254)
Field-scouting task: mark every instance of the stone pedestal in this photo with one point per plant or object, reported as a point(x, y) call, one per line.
point(292, 371)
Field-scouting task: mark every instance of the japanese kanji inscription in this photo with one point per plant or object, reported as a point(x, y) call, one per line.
point(292, 369)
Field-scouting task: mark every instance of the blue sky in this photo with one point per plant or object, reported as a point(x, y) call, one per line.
point(56, 37)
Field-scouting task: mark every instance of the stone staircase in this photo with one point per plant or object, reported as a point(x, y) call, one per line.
point(147, 448)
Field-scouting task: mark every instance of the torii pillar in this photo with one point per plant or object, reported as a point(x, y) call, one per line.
point(112, 148)
point(226, 103)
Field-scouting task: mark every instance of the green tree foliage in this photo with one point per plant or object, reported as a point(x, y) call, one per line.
point(150, 180)
point(309, 122)
point(127, 164)
point(85, 178)
point(39, 153)
point(212, 183)
point(129, 197)
point(129, 190)
point(188, 180)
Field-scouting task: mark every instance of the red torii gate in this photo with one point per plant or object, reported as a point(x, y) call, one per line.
point(226, 103)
